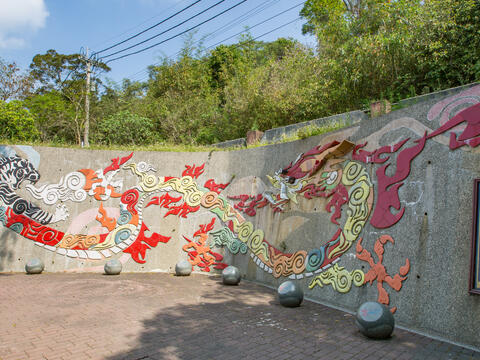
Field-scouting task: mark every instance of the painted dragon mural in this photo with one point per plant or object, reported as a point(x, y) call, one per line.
point(336, 171)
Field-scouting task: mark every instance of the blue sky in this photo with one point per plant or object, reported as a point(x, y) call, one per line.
point(30, 27)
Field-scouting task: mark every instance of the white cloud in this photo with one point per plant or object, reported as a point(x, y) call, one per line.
point(9, 42)
point(18, 19)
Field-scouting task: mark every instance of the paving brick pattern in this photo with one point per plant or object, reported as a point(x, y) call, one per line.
point(159, 316)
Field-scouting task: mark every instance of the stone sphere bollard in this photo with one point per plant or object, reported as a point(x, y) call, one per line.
point(375, 320)
point(290, 294)
point(183, 268)
point(231, 275)
point(34, 266)
point(113, 267)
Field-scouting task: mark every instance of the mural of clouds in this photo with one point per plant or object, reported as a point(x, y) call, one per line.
point(18, 19)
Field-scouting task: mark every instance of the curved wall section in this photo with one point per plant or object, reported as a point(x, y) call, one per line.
point(377, 211)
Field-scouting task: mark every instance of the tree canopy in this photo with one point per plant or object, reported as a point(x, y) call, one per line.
point(366, 50)
point(13, 83)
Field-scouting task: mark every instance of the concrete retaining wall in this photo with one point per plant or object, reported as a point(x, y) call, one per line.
point(390, 221)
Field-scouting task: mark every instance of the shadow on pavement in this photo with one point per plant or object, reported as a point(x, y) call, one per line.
point(247, 322)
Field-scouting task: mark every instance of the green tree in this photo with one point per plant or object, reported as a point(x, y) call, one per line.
point(13, 84)
point(16, 123)
point(181, 100)
point(222, 63)
point(395, 49)
point(54, 71)
point(446, 45)
point(65, 75)
point(280, 92)
point(125, 128)
point(118, 97)
point(53, 116)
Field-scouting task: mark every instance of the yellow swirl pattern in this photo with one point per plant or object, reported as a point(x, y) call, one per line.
point(110, 239)
point(254, 239)
point(257, 245)
point(340, 279)
point(186, 186)
point(244, 231)
point(148, 182)
point(355, 176)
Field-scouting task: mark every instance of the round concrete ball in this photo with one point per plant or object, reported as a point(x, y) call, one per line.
point(290, 294)
point(231, 275)
point(375, 320)
point(34, 266)
point(113, 267)
point(183, 268)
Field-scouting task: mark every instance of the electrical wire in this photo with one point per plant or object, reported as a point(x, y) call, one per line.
point(260, 8)
point(254, 26)
point(241, 32)
point(163, 32)
point(225, 27)
point(68, 75)
point(269, 32)
point(252, 12)
point(137, 26)
point(259, 36)
point(147, 29)
point(183, 32)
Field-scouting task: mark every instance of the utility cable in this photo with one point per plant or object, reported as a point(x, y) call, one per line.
point(179, 34)
point(259, 36)
point(252, 12)
point(269, 32)
point(225, 27)
point(165, 31)
point(262, 35)
point(254, 26)
point(251, 27)
point(147, 29)
point(139, 25)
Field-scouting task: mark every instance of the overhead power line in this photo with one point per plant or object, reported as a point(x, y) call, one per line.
point(252, 12)
point(139, 25)
point(254, 26)
point(163, 32)
point(149, 28)
point(179, 34)
point(269, 32)
point(257, 37)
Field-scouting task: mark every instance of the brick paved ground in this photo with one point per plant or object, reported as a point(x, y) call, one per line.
point(159, 316)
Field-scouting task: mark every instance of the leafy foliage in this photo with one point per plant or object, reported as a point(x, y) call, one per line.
point(61, 78)
point(16, 122)
point(13, 84)
point(396, 49)
point(125, 128)
point(366, 50)
point(53, 117)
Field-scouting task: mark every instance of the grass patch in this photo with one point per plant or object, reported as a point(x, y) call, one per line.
point(303, 133)
point(314, 130)
point(161, 147)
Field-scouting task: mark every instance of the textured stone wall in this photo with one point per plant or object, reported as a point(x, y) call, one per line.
point(381, 210)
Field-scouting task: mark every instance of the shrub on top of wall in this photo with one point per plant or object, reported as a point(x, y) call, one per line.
point(16, 122)
point(125, 127)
